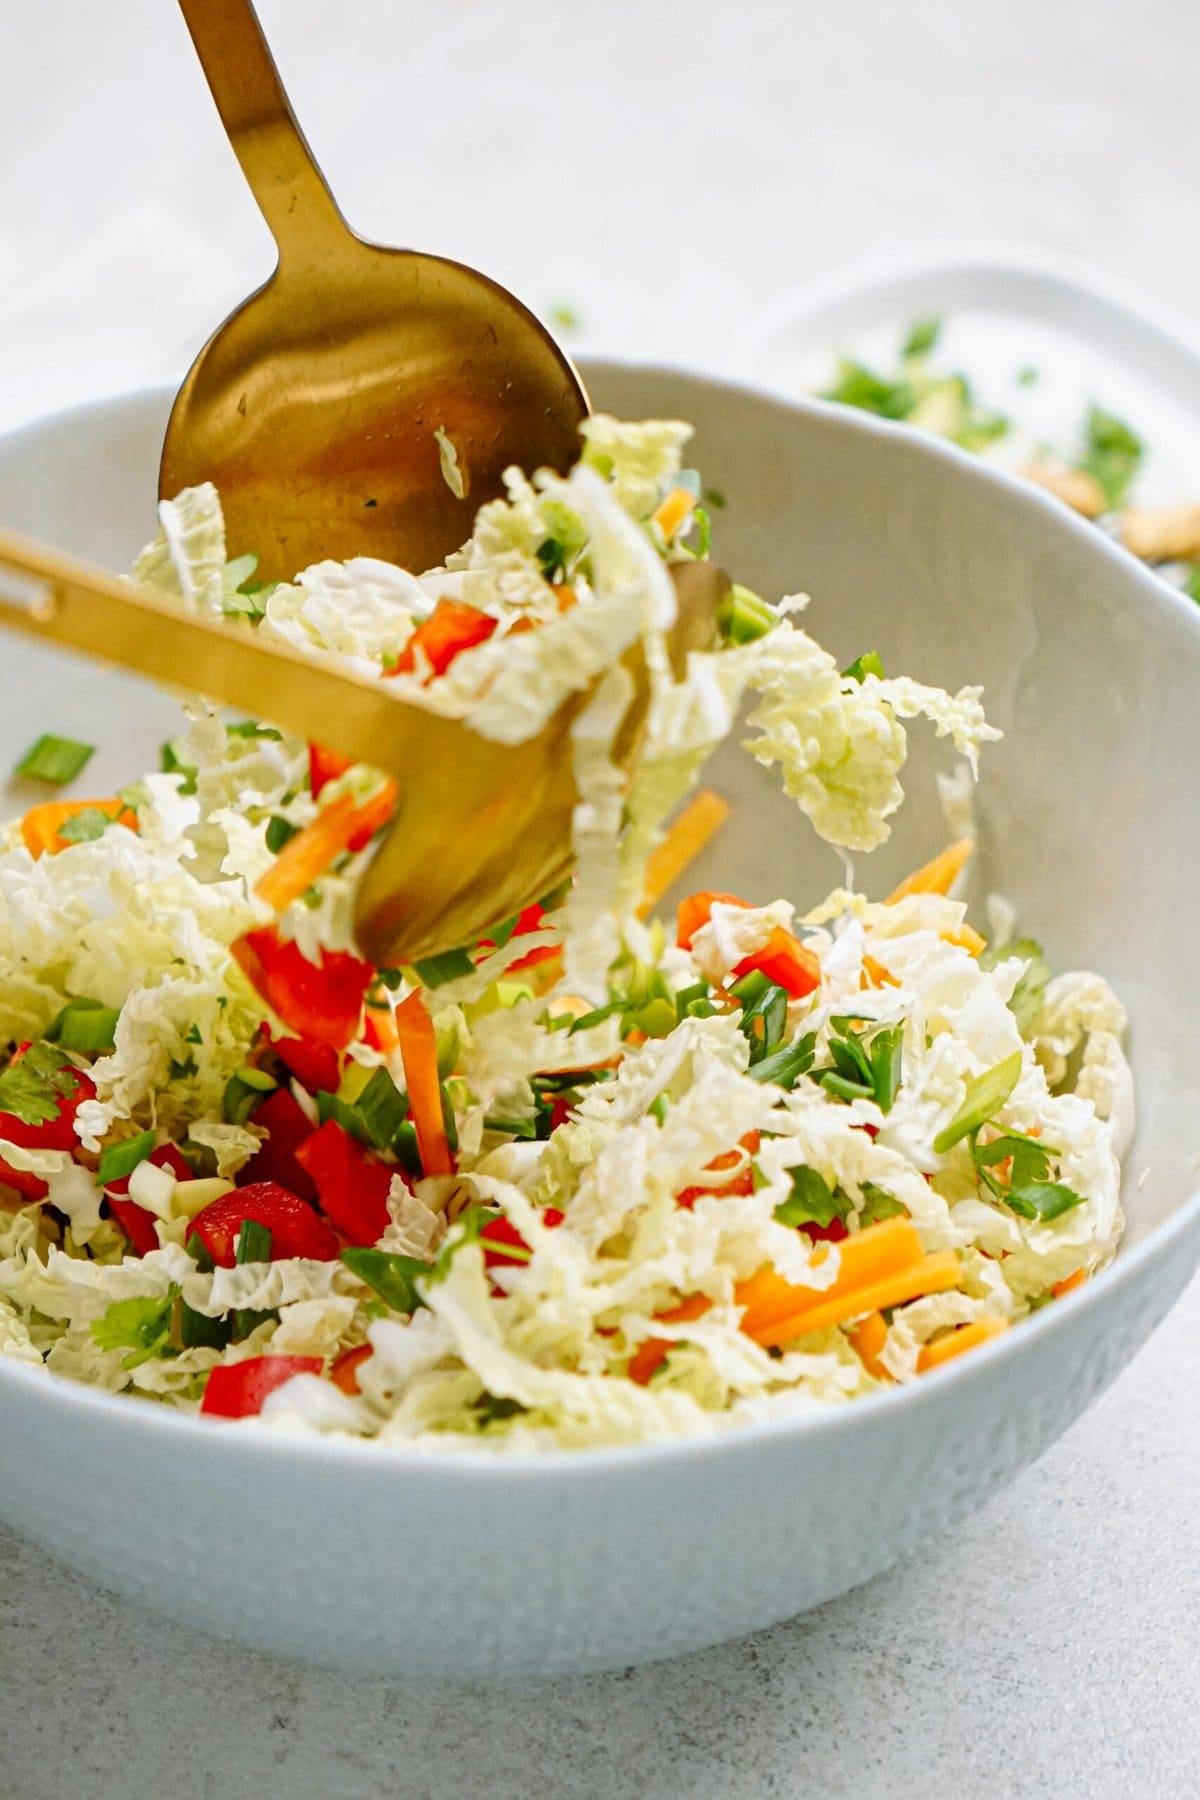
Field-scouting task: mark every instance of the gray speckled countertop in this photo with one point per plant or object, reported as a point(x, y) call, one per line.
point(1048, 1646)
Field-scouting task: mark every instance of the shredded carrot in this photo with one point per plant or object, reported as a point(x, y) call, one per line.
point(938, 876)
point(875, 975)
point(654, 1351)
point(931, 1275)
point(700, 820)
point(344, 1373)
point(868, 1338)
point(673, 510)
point(879, 1251)
point(1069, 1283)
point(964, 1337)
point(565, 595)
point(418, 1048)
point(42, 824)
point(966, 937)
point(308, 855)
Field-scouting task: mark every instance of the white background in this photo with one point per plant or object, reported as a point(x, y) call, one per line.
point(664, 168)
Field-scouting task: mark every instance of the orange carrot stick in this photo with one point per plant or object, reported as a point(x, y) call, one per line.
point(938, 876)
point(931, 1275)
point(418, 1049)
point(700, 820)
point(965, 1337)
point(311, 851)
point(1069, 1283)
point(868, 1338)
point(871, 1255)
point(673, 510)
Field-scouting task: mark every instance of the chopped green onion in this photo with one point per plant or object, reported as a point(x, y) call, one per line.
point(448, 1118)
point(405, 1150)
point(393, 1277)
point(198, 1332)
point(85, 1025)
point(597, 1016)
point(119, 1160)
point(250, 728)
point(750, 987)
point(985, 1095)
point(450, 965)
point(55, 760)
point(869, 663)
point(254, 1242)
point(844, 1088)
point(280, 831)
point(743, 616)
point(245, 1090)
point(785, 1067)
point(921, 338)
point(382, 1109)
point(344, 1113)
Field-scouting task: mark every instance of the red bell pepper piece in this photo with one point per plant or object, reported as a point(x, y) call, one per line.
point(784, 960)
point(742, 1183)
point(134, 1220)
point(352, 1185)
point(57, 1133)
point(696, 911)
point(296, 1228)
point(500, 1238)
point(237, 1390)
point(318, 1000)
point(315, 1065)
point(324, 766)
point(450, 629)
point(532, 919)
point(287, 1126)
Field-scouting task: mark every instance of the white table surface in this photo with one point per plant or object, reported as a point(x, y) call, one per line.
point(663, 168)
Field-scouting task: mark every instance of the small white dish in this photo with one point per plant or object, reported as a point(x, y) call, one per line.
point(453, 1563)
point(1006, 311)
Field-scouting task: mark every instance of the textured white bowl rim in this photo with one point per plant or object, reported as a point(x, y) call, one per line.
point(131, 1414)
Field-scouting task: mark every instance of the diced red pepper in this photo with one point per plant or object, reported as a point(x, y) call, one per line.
point(57, 1133)
point(134, 1220)
point(742, 1183)
point(833, 1233)
point(318, 1000)
point(450, 629)
point(696, 911)
point(315, 1065)
point(532, 919)
point(287, 1126)
point(296, 1229)
point(500, 1237)
point(352, 1185)
point(237, 1390)
point(344, 1373)
point(324, 766)
point(784, 960)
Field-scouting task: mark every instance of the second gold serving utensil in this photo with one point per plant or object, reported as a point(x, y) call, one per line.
point(365, 401)
point(482, 829)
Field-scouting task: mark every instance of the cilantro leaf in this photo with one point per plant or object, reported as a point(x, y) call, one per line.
point(857, 385)
point(1113, 454)
point(812, 1201)
point(32, 1086)
point(84, 827)
point(394, 1277)
point(142, 1325)
point(922, 337)
point(878, 1204)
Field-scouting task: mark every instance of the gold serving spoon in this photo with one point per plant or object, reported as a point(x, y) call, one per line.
point(483, 828)
point(326, 405)
point(329, 410)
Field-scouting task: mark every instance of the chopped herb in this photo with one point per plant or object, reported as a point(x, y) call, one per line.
point(1033, 1190)
point(32, 1087)
point(743, 616)
point(878, 1205)
point(1029, 993)
point(750, 987)
point(856, 385)
point(714, 498)
point(597, 1016)
point(197, 1331)
point(869, 663)
point(250, 728)
point(450, 965)
point(393, 1277)
point(141, 1325)
point(280, 831)
point(565, 316)
point(173, 764)
point(85, 1025)
point(85, 827)
point(254, 1243)
point(194, 1035)
point(864, 1069)
point(55, 760)
point(391, 978)
point(182, 1071)
point(344, 1113)
point(405, 1150)
point(985, 1095)
point(785, 1067)
point(658, 1109)
point(1191, 586)
point(764, 1021)
point(382, 1108)
point(119, 1160)
point(1113, 454)
point(812, 1201)
point(449, 1120)
point(526, 1129)
point(489, 1409)
point(921, 338)
point(245, 1089)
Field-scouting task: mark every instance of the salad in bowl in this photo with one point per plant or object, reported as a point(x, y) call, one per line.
point(599, 1177)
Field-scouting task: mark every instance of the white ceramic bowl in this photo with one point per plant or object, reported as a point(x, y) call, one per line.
point(445, 1563)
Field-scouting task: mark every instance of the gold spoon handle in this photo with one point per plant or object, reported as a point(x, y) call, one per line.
point(47, 595)
point(257, 115)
